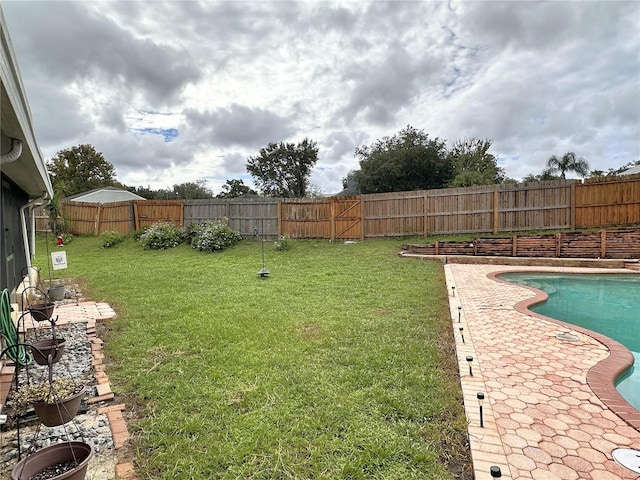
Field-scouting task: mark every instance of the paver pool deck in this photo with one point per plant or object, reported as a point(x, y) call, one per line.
point(543, 418)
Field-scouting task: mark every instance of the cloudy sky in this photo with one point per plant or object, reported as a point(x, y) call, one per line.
point(177, 91)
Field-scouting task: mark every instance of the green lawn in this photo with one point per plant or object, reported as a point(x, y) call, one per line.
point(341, 364)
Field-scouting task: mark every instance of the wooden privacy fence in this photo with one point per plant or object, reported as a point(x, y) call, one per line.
point(554, 205)
point(247, 216)
point(493, 208)
point(601, 203)
point(83, 218)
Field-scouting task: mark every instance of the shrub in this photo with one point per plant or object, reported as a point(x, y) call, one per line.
point(109, 239)
point(282, 243)
point(213, 235)
point(161, 236)
point(138, 233)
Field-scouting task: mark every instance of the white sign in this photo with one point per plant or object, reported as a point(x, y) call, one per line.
point(59, 260)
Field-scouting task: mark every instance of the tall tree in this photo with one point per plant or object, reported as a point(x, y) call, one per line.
point(409, 160)
point(283, 169)
point(147, 192)
point(235, 188)
point(568, 163)
point(473, 164)
point(545, 176)
point(192, 190)
point(81, 168)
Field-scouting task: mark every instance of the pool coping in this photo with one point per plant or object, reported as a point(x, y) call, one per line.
point(601, 377)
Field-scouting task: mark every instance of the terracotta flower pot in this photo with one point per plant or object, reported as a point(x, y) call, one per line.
point(60, 453)
point(53, 414)
point(41, 311)
point(43, 348)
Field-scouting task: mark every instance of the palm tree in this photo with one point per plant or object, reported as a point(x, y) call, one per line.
point(568, 163)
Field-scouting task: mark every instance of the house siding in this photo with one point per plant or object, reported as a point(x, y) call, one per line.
point(12, 254)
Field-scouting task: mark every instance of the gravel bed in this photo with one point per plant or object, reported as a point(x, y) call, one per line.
point(88, 426)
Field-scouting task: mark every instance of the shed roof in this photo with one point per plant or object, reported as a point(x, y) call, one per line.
point(632, 170)
point(104, 195)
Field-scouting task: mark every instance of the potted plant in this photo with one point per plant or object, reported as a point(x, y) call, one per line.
point(55, 402)
point(61, 461)
point(42, 349)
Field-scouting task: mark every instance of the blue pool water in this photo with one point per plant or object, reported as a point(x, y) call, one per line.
point(606, 303)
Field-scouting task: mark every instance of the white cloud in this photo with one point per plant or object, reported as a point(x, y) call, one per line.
point(538, 78)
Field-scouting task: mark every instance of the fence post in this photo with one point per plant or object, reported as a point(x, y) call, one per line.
point(514, 246)
point(603, 243)
point(135, 215)
point(97, 226)
point(424, 211)
point(362, 236)
point(333, 219)
point(572, 206)
point(279, 220)
point(130, 223)
point(496, 199)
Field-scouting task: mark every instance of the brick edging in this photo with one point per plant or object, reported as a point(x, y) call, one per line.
point(117, 424)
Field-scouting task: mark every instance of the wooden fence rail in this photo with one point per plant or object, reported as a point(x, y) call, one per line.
point(554, 205)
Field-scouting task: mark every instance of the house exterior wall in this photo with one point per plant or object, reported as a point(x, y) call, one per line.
point(13, 259)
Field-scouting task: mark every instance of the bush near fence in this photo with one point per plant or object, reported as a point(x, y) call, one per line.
point(554, 205)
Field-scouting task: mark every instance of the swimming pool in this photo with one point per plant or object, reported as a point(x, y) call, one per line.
point(605, 303)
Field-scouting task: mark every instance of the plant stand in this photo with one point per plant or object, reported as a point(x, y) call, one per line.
point(62, 461)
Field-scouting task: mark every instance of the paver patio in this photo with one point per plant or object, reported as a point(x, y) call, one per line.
point(542, 419)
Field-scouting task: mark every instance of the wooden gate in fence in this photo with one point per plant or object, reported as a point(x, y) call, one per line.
point(336, 218)
point(346, 215)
